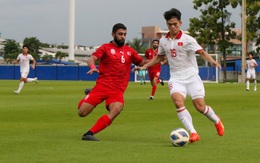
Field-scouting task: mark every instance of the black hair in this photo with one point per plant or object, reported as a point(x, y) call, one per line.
point(251, 53)
point(26, 46)
point(155, 40)
point(172, 13)
point(118, 26)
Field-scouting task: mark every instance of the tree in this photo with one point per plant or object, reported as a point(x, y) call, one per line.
point(33, 43)
point(47, 58)
point(137, 44)
point(59, 55)
point(253, 21)
point(12, 49)
point(11, 46)
point(213, 27)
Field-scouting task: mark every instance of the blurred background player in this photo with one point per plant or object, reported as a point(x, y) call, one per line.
point(250, 66)
point(24, 58)
point(154, 71)
point(115, 59)
point(142, 76)
point(180, 50)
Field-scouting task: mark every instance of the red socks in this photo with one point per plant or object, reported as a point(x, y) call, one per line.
point(153, 90)
point(101, 124)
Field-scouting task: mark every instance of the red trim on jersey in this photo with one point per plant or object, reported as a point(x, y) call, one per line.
point(198, 51)
point(177, 37)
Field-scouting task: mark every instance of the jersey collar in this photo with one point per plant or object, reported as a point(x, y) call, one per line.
point(177, 37)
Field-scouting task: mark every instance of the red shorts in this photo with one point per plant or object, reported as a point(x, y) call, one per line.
point(101, 93)
point(153, 74)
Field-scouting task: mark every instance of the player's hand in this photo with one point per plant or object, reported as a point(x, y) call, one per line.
point(138, 68)
point(92, 70)
point(33, 67)
point(215, 64)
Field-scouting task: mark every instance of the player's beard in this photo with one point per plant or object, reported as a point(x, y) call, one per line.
point(155, 47)
point(120, 43)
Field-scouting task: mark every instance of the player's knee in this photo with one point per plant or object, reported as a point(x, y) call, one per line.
point(81, 113)
point(116, 110)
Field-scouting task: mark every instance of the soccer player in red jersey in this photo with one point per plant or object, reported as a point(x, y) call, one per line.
point(154, 71)
point(114, 73)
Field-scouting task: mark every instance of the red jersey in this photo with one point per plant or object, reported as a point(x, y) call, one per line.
point(149, 54)
point(115, 64)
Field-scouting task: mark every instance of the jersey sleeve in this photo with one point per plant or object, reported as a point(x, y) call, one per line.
point(18, 57)
point(161, 50)
point(193, 45)
point(31, 57)
point(99, 52)
point(146, 54)
point(136, 58)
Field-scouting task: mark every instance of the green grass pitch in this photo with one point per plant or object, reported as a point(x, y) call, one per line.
point(41, 125)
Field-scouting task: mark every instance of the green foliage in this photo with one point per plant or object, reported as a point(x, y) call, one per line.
point(11, 46)
point(10, 57)
point(47, 57)
point(214, 26)
point(137, 44)
point(12, 49)
point(42, 125)
point(59, 55)
point(44, 45)
point(33, 43)
point(253, 20)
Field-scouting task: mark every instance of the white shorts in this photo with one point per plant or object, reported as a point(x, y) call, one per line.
point(24, 74)
point(250, 75)
point(192, 86)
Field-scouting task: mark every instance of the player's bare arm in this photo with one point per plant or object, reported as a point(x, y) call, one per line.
point(33, 64)
point(91, 64)
point(255, 65)
point(15, 61)
point(208, 58)
point(157, 59)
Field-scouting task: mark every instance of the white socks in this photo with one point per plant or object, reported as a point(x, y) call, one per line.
point(247, 85)
point(20, 86)
point(31, 80)
point(210, 114)
point(186, 119)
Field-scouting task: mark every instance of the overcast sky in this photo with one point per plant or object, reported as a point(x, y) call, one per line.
point(48, 20)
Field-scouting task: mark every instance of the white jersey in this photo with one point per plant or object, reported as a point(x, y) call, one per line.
point(180, 53)
point(250, 64)
point(24, 62)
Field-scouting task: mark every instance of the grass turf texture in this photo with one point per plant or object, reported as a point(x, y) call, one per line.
point(41, 125)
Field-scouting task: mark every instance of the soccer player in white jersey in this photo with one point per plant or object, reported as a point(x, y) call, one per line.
point(24, 59)
point(250, 66)
point(180, 50)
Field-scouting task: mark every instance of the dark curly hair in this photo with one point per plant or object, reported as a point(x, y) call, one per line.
point(172, 13)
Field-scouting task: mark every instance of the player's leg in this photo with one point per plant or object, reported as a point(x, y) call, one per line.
point(23, 79)
point(178, 96)
point(114, 103)
point(32, 80)
point(154, 87)
point(197, 96)
point(86, 106)
point(247, 81)
point(255, 82)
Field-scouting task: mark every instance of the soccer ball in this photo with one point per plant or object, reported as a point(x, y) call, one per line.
point(179, 137)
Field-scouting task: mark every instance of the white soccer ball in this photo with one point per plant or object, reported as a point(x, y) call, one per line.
point(179, 137)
